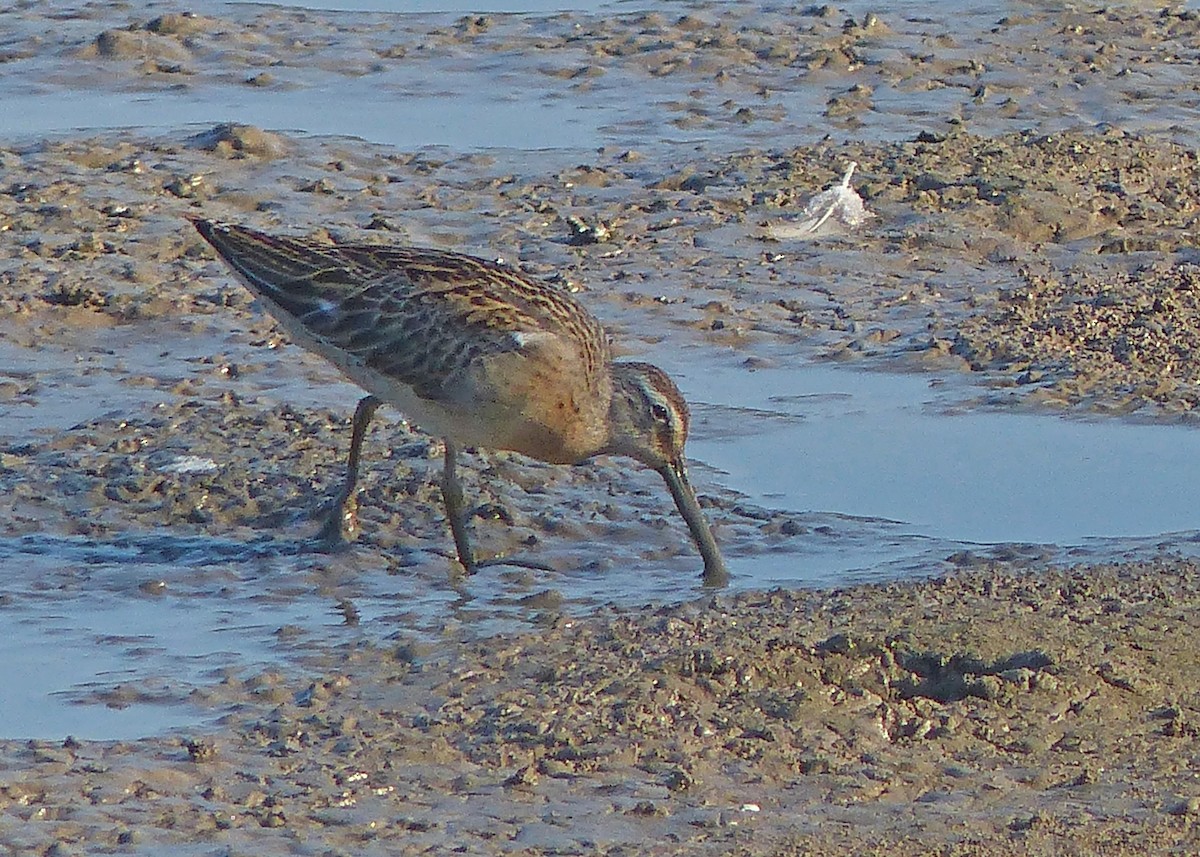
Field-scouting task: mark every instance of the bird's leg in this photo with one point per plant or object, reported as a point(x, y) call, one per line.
point(342, 524)
point(452, 494)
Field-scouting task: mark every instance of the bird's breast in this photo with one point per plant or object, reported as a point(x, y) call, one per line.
point(544, 402)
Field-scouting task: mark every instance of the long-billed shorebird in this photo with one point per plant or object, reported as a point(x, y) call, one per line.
point(474, 352)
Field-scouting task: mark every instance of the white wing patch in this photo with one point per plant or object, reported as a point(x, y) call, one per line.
point(527, 338)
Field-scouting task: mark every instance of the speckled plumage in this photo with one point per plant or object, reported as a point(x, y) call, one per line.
point(470, 350)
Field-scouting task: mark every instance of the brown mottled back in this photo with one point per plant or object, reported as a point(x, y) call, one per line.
point(370, 300)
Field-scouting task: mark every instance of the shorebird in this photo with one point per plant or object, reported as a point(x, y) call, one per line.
point(472, 351)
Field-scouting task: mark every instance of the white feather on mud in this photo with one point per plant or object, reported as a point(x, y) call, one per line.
point(834, 211)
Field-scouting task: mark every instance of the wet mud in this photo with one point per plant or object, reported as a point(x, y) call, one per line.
point(995, 710)
point(149, 410)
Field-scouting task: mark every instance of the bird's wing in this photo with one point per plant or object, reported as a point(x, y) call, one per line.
point(420, 317)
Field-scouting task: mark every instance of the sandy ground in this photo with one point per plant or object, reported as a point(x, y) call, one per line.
point(1010, 707)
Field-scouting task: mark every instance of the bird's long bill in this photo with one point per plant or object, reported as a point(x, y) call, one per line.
point(715, 573)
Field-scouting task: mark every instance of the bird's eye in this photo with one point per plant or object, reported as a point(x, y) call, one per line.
point(660, 413)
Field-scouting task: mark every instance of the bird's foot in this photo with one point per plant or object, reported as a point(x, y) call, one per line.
point(341, 526)
point(472, 564)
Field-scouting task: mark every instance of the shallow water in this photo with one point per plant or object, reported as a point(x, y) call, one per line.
point(895, 447)
point(511, 96)
point(886, 477)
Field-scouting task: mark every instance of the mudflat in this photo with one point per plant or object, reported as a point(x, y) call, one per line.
point(1012, 706)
